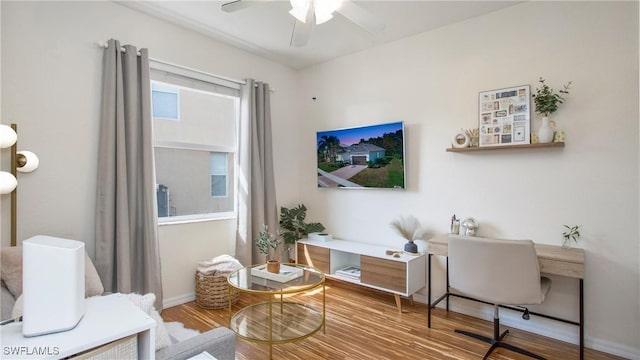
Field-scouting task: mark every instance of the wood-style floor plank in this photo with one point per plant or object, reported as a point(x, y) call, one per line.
point(365, 324)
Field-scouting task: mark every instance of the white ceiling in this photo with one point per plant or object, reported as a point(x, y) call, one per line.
point(265, 28)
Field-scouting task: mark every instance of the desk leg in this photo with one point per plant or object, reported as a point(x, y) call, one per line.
point(447, 284)
point(581, 319)
point(429, 293)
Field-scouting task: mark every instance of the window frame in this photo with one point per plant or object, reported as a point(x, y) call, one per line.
point(219, 84)
point(226, 175)
point(222, 215)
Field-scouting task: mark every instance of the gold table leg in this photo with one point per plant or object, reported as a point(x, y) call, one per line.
point(270, 327)
point(324, 322)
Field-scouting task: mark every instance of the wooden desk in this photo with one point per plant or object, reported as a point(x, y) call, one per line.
point(553, 260)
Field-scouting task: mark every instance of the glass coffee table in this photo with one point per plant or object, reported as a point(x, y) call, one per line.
point(277, 320)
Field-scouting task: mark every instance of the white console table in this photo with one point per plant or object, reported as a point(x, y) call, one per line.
point(107, 319)
point(401, 276)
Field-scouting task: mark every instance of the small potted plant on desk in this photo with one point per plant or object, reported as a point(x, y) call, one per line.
point(267, 244)
point(572, 233)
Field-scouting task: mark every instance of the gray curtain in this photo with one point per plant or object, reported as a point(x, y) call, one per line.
point(256, 185)
point(127, 250)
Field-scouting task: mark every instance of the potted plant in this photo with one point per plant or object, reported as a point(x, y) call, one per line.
point(572, 233)
point(546, 101)
point(409, 229)
point(267, 244)
point(293, 226)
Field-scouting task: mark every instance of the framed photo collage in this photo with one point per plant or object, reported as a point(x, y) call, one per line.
point(505, 116)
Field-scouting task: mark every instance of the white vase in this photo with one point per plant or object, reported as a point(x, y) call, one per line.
point(545, 132)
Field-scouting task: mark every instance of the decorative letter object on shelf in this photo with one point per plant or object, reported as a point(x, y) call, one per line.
point(460, 140)
point(505, 116)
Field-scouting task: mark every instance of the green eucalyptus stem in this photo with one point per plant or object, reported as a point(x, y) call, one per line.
point(547, 100)
point(572, 233)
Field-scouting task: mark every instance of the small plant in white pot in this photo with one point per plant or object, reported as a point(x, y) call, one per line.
point(546, 101)
point(572, 233)
point(267, 244)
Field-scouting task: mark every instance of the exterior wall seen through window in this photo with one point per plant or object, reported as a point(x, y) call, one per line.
point(194, 153)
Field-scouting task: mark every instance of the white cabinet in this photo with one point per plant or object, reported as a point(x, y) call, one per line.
point(401, 276)
point(106, 319)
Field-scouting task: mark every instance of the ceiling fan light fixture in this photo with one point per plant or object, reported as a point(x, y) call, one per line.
point(299, 9)
point(323, 18)
point(324, 9)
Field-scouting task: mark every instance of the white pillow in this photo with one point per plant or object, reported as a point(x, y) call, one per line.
point(92, 283)
point(145, 303)
point(16, 312)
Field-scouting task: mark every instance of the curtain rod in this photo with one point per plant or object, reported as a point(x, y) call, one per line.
point(104, 44)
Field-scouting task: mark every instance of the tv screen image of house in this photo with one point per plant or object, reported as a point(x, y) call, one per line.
point(362, 157)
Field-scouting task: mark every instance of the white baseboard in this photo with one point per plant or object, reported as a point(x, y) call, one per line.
point(537, 325)
point(608, 347)
point(178, 300)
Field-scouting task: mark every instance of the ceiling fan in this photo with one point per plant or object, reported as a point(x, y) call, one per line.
point(308, 12)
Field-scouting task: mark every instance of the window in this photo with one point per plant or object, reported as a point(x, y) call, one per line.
point(165, 101)
point(195, 122)
point(219, 174)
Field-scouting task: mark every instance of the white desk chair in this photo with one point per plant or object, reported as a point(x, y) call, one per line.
point(497, 271)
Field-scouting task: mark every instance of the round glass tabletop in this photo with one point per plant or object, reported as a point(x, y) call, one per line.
point(292, 278)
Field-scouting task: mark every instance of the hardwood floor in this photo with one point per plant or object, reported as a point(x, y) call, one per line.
point(365, 324)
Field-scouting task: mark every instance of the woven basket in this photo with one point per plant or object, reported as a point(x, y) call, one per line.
point(212, 291)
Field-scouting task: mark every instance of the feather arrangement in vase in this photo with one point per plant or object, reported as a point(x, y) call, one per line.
point(409, 228)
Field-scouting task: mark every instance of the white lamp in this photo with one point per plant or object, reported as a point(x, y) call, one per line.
point(23, 161)
point(8, 136)
point(27, 161)
point(8, 182)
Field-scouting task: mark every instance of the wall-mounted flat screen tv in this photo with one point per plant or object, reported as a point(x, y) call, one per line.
point(365, 157)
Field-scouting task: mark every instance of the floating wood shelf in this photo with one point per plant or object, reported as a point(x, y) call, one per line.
point(508, 147)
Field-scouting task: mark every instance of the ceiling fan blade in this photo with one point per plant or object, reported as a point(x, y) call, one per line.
point(361, 17)
point(302, 30)
point(239, 5)
point(301, 33)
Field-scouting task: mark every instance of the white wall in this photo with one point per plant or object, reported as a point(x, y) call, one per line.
point(51, 86)
point(51, 73)
point(432, 80)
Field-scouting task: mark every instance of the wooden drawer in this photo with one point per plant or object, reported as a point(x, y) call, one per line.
point(386, 274)
point(315, 256)
point(564, 268)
